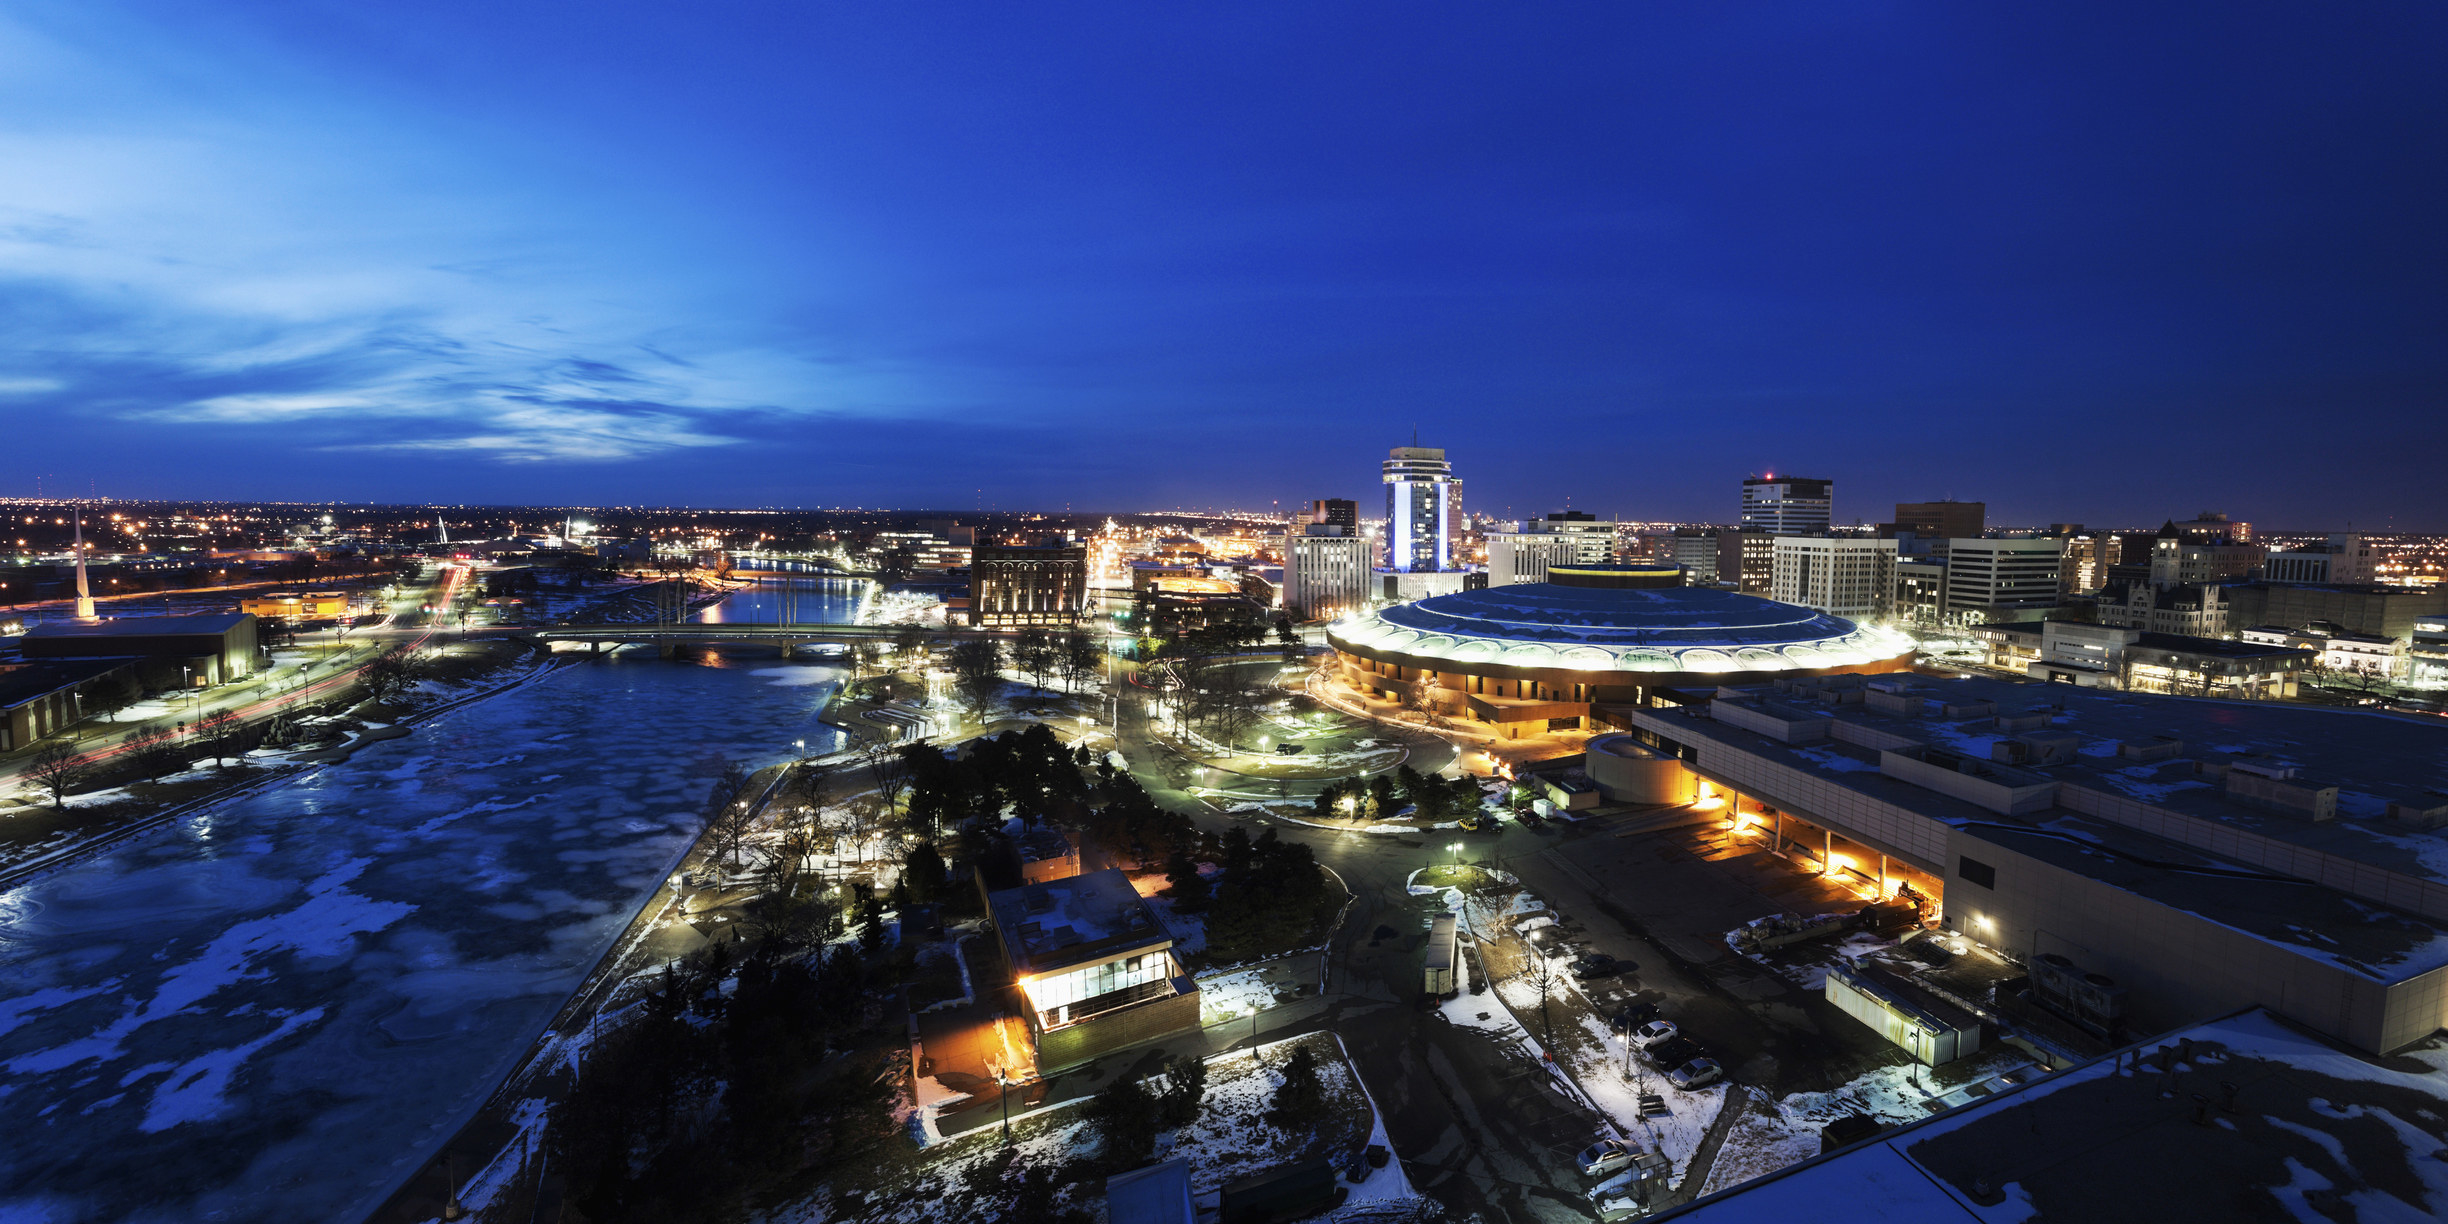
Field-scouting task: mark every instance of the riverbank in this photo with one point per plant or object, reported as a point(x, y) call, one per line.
point(45, 837)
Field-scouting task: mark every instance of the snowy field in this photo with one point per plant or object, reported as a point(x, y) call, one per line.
point(276, 1008)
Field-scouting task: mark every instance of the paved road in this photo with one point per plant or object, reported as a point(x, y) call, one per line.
point(339, 657)
point(1482, 1130)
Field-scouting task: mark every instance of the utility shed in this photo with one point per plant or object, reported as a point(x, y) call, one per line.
point(1928, 1028)
point(1441, 954)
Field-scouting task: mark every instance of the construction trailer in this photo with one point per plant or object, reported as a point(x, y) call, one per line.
point(1444, 953)
point(1930, 1029)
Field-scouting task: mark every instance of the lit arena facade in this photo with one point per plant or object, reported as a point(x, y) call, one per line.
point(1536, 657)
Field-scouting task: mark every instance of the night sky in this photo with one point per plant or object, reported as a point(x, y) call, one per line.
point(2091, 263)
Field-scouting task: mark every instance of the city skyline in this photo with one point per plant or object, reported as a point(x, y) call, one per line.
point(776, 256)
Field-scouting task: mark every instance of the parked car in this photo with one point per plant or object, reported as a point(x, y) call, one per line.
point(1655, 1032)
point(1604, 1157)
point(1287, 749)
point(1632, 1016)
point(1674, 1052)
point(1598, 965)
point(1698, 1073)
point(1626, 1195)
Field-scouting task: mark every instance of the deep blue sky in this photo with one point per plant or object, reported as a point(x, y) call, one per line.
point(2089, 263)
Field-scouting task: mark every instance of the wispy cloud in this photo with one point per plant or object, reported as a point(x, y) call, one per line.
point(291, 263)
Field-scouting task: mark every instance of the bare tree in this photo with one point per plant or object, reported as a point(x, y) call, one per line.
point(1033, 652)
point(1080, 657)
point(863, 658)
point(731, 827)
point(977, 674)
point(1540, 971)
point(388, 677)
point(58, 768)
point(891, 773)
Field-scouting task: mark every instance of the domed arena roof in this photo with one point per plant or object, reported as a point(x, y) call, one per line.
point(1584, 628)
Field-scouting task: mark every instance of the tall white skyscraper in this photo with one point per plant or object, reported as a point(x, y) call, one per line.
point(1423, 510)
point(1786, 505)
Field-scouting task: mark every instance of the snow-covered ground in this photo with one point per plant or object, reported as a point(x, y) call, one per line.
point(1770, 1135)
point(1588, 1058)
point(1229, 1140)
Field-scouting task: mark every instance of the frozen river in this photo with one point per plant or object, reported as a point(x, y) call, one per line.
point(275, 1011)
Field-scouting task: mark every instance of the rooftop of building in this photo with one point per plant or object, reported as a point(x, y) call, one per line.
point(23, 682)
point(2305, 918)
point(2371, 758)
point(200, 623)
point(2219, 648)
point(1658, 629)
point(1081, 919)
point(2249, 1118)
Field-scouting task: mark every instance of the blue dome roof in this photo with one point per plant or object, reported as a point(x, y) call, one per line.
point(1599, 616)
point(1616, 629)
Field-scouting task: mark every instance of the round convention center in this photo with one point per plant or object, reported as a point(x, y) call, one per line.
point(1536, 657)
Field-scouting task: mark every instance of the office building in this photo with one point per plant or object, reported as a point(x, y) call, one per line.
point(1939, 520)
point(1786, 505)
point(1327, 570)
point(2198, 610)
point(1568, 537)
point(2002, 580)
point(1537, 657)
point(2341, 559)
point(1746, 561)
point(1094, 966)
point(1920, 590)
point(2379, 611)
point(2212, 527)
point(1423, 510)
point(2178, 560)
point(2197, 856)
point(1848, 576)
point(2336, 650)
point(2427, 651)
point(2088, 558)
point(1337, 512)
point(1013, 586)
point(1692, 550)
point(294, 606)
point(2116, 657)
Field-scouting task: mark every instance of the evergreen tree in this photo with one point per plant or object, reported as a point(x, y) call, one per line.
point(1186, 886)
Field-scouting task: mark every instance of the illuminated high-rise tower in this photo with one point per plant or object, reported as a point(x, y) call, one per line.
point(1423, 510)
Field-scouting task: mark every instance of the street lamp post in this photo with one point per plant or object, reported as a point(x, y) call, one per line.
point(1253, 1027)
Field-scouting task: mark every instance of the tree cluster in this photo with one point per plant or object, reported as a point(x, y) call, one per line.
point(1029, 770)
point(1270, 899)
point(1128, 1114)
point(1431, 798)
point(706, 1105)
point(1131, 824)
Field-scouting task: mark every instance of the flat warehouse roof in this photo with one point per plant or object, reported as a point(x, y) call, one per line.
point(2302, 917)
point(2258, 1115)
point(214, 623)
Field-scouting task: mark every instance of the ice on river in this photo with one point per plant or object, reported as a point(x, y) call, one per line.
point(277, 1009)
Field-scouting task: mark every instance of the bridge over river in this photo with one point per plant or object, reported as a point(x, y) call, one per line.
point(668, 636)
